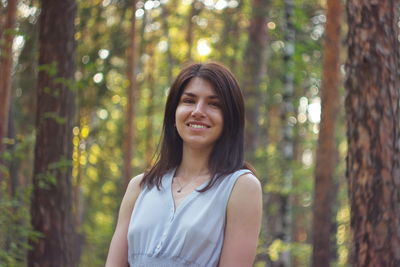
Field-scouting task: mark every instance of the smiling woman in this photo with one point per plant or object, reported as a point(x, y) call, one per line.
point(198, 117)
point(200, 204)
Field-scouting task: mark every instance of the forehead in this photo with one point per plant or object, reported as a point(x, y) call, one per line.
point(199, 87)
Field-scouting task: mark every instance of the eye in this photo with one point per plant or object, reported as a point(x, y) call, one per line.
point(188, 100)
point(215, 104)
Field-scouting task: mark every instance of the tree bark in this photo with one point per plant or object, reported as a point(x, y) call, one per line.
point(52, 191)
point(165, 13)
point(194, 11)
point(254, 72)
point(372, 113)
point(230, 36)
point(149, 151)
point(326, 157)
point(287, 143)
point(131, 100)
point(5, 70)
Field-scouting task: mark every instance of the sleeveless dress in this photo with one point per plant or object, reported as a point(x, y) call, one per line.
point(191, 235)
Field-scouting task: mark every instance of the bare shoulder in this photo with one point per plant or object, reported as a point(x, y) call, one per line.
point(246, 193)
point(131, 194)
point(248, 184)
point(134, 183)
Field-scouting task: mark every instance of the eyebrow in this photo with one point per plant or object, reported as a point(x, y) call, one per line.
point(193, 95)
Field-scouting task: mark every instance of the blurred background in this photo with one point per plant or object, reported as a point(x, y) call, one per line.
point(275, 49)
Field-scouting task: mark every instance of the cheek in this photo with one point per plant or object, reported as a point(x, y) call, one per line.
point(220, 118)
point(178, 113)
point(179, 117)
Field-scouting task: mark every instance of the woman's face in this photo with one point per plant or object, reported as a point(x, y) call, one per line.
point(199, 119)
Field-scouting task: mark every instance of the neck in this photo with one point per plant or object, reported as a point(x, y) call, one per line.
point(194, 162)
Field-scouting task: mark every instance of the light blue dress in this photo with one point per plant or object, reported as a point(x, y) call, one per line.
point(191, 235)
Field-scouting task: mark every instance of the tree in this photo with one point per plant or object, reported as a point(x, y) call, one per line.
point(287, 143)
point(151, 81)
point(195, 10)
point(254, 72)
point(51, 202)
point(6, 40)
point(326, 157)
point(372, 114)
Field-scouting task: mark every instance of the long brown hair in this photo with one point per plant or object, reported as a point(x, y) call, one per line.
point(227, 155)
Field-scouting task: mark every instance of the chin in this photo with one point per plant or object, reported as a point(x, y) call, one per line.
point(198, 144)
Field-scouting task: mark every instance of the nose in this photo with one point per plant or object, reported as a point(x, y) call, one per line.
point(198, 110)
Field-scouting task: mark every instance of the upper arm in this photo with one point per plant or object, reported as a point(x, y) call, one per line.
point(118, 252)
point(129, 199)
point(243, 223)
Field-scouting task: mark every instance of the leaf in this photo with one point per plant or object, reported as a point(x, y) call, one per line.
point(49, 69)
point(53, 115)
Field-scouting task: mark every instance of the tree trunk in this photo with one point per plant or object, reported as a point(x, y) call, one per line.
point(52, 191)
point(254, 72)
point(1, 19)
point(287, 143)
point(5, 71)
point(149, 151)
point(372, 112)
point(230, 36)
point(165, 13)
point(131, 100)
point(194, 11)
point(326, 158)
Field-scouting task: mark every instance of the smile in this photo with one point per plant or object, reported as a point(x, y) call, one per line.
point(197, 126)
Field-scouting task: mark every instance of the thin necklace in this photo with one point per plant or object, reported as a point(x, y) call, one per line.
point(179, 190)
point(180, 186)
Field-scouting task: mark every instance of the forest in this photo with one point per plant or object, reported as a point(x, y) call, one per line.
point(83, 85)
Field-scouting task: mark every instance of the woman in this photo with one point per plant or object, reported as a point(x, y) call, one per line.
point(200, 204)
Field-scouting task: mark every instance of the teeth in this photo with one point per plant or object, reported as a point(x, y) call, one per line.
point(197, 126)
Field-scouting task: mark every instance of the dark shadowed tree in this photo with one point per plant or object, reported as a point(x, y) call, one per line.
point(6, 41)
point(287, 143)
point(372, 112)
point(52, 191)
point(254, 72)
point(326, 157)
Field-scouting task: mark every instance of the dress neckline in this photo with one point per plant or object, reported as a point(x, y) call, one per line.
point(187, 198)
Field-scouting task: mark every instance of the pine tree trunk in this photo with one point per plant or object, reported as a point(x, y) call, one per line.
point(254, 72)
point(1, 19)
point(150, 106)
point(5, 70)
point(194, 11)
point(52, 191)
point(372, 112)
point(230, 35)
point(287, 142)
point(131, 99)
point(326, 158)
point(165, 13)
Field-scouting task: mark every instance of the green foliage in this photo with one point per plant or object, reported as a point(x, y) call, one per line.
point(54, 116)
point(49, 69)
point(48, 179)
point(15, 229)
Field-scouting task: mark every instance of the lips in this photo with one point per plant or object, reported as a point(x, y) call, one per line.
point(197, 125)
